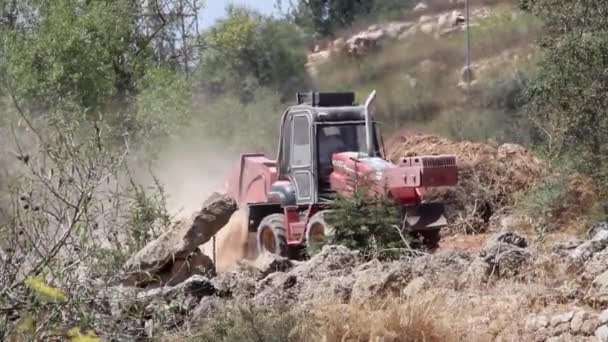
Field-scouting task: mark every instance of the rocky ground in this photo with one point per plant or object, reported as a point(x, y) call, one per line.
point(512, 288)
point(496, 275)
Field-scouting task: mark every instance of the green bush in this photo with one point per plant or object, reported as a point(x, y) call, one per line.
point(568, 97)
point(369, 223)
point(249, 322)
point(248, 50)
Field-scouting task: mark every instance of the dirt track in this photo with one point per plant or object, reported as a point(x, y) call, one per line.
point(233, 243)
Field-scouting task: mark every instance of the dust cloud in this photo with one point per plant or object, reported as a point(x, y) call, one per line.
point(189, 173)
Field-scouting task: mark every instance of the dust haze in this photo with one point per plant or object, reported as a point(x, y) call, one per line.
point(190, 171)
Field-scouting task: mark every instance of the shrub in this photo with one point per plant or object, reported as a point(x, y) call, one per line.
point(248, 322)
point(370, 224)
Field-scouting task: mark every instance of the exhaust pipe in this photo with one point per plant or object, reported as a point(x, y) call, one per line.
point(369, 130)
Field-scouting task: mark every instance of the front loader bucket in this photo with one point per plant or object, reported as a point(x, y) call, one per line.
point(425, 216)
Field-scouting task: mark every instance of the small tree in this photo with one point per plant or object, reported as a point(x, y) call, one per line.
point(568, 98)
point(369, 223)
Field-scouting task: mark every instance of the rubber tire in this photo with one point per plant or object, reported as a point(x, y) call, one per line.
point(319, 218)
point(276, 223)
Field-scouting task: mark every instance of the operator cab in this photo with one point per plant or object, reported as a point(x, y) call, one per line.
point(336, 138)
point(321, 125)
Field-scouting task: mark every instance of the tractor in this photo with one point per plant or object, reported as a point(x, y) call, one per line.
point(329, 145)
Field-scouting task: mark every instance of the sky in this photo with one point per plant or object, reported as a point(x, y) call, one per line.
point(215, 9)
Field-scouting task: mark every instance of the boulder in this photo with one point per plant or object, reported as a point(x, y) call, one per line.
point(440, 268)
point(600, 285)
point(237, 283)
point(268, 263)
point(456, 18)
point(505, 255)
point(586, 250)
point(427, 28)
point(534, 323)
point(596, 265)
point(443, 22)
point(602, 333)
point(425, 19)
point(178, 249)
point(376, 280)
point(332, 260)
point(421, 6)
point(603, 317)
point(394, 29)
point(508, 238)
point(415, 286)
point(196, 286)
point(563, 318)
point(577, 321)
point(327, 275)
point(206, 308)
point(366, 42)
point(409, 33)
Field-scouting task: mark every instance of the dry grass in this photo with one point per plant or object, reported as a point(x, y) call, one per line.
point(398, 320)
point(429, 103)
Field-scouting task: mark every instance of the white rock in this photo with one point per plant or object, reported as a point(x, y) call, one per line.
point(535, 323)
point(427, 28)
point(443, 21)
point(425, 19)
point(420, 7)
point(563, 318)
point(456, 18)
point(578, 320)
point(408, 33)
point(603, 318)
point(602, 333)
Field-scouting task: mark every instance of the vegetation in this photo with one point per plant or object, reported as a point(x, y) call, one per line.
point(92, 91)
point(327, 17)
point(568, 97)
point(369, 223)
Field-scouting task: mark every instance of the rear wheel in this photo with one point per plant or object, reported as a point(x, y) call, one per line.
point(318, 231)
point(271, 235)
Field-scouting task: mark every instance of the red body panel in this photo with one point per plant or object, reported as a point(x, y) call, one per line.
point(404, 182)
point(251, 181)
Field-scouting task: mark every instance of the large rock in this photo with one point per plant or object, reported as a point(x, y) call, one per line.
point(332, 260)
point(376, 280)
point(196, 286)
point(171, 257)
point(268, 263)
point(326, 276)
point(442, 269)
point(206, 308)
point(596, 265)
point(587, 250)
point(365, 42)
point(506, 254)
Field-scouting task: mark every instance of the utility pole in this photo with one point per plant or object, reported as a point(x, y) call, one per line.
point(468, 73)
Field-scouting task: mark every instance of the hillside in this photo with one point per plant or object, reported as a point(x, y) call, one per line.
point(417, 65)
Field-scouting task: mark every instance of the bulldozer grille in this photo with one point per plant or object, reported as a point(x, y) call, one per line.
point(440, 161)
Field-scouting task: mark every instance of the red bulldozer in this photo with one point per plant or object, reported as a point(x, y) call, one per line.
point(329, 145)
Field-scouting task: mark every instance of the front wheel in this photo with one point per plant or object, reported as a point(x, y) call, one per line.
point(318, 231)
point(271, 235)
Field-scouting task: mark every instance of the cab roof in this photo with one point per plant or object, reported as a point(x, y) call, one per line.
point(330, 106)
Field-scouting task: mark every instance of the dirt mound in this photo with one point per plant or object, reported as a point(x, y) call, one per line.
point(490, 176)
